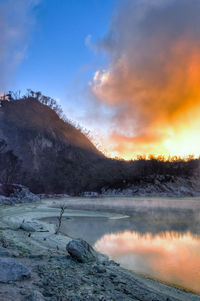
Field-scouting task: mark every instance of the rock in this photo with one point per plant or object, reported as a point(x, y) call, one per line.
point(32, 226)
point(26, 226)
point(34, 296)
point(23, 292)
point(112, 275)
point(81, 251)
point(157, 185)
point(11, 194)
point(99, 269)
point(23, 194)
point(112, 262)
point(90, 194)
point(4, 200)
point(12, 270)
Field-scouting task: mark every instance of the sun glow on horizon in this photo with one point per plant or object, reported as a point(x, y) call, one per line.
point(185, 145)
point(176, 135)
point(152, 80)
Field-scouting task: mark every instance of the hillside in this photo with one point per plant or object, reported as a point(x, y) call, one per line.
point(42, 150)
point(53, 154)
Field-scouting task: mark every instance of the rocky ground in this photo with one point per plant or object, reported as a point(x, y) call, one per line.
point(36, 265)
point(62, 277)
point(11, 194)
point(154, 186)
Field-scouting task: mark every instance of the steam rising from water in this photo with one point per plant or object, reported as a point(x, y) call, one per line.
point(160, 238)
point(152, 83)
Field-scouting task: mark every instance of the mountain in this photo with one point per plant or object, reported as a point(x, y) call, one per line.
point(54, 156)
point(43, 151)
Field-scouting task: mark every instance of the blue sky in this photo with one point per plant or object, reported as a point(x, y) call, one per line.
point(58, 62)
point(46, 48)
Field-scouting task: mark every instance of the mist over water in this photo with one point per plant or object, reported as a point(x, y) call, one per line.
point(159, 237)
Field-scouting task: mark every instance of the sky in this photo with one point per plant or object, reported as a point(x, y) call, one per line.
point(127, 70)
point(58, 59)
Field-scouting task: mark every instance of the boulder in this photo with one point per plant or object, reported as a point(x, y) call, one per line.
point(32, 226)
point(14, 193)
point(23, 194)
point(80, 250)
point(12, 270)
point(27, 226)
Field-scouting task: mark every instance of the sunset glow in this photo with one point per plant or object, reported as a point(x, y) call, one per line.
point(173, 125)
point(165, 256)
point(181, 145)
point(152, 83)
point(100, 150)
point(130, 76)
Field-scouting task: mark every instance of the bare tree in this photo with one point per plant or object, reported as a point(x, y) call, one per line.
point(16, 95)
point(38, 95)
point(62, 210)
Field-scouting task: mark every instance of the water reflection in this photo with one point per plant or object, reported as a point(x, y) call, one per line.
point(160, 238)
point(168, 256)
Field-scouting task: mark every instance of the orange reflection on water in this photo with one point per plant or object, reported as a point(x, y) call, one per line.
point(168, 256)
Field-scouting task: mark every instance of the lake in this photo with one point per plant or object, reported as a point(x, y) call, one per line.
point(159, 238)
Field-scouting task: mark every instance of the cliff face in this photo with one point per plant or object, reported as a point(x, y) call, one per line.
point(53, 154)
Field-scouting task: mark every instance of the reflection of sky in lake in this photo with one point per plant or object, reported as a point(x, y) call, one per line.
point(167, 256)
point(160, 238)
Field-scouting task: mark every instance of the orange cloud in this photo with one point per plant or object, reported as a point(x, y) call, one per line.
point(153, 80)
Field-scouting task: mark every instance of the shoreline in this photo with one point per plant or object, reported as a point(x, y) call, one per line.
point(43, 245)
